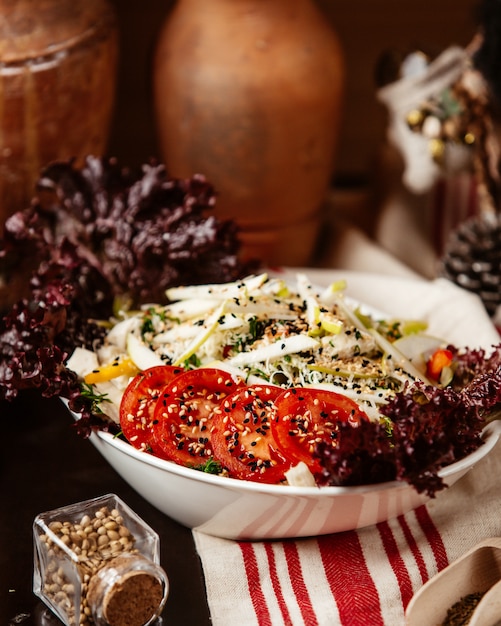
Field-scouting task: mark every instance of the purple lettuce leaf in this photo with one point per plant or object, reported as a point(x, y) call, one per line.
point(425, 429)
point(93, 235)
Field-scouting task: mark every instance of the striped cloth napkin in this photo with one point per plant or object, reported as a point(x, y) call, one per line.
point(367, 576)
point(355, 578)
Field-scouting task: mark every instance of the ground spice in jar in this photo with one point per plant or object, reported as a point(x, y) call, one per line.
point(91, 571)
point(460, 613)
point(126, 597)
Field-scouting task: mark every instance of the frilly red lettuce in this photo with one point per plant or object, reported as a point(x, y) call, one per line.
point(425, 429)
point(93, 235)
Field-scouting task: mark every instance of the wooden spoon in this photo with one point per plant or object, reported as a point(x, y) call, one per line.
point(479, 570)
point(488, 611)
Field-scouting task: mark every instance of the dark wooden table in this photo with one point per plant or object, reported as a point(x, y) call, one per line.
point(44, 464)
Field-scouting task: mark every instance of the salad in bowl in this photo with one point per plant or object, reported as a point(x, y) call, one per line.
point(284, 383)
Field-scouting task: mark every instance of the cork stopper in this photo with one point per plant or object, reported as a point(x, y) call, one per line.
point(133, 601)
point(130, 590)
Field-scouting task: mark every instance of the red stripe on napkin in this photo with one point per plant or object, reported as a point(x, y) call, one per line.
point(396, 561)
point(433, 536)
point(416, 552)
point(349, 579)
point(298, 584)
point(253, 582)
point(277, 587)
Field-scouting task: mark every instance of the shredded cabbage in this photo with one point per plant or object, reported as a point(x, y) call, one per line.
point(284, 335)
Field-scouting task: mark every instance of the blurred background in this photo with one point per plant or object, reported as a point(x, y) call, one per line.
point(366, 29)
point(270, 154)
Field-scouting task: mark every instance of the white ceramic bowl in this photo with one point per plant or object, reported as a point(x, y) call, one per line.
point(237, 509)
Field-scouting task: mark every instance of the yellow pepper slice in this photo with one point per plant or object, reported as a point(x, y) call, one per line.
point(118, 367)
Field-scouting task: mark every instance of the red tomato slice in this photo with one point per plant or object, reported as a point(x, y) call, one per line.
point(438, 360)
point(305, 417)
point(242, 437)
point(138, 403)
point(183, 414)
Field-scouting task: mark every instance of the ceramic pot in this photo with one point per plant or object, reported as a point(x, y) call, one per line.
point(57, 88)
point(249, 93)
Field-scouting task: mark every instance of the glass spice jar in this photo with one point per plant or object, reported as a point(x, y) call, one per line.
point(97, 562)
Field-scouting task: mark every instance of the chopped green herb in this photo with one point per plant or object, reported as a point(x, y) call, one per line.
point(192, 362)
point(256, 327)
point(147, 325)
point(89, 392)
point(211, 466)
point(257, 372)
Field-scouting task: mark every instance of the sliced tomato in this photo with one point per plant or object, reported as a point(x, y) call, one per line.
point(138, 403)
point(242, 437)
point(305, 417)
point(183, 414)
point(439, 360)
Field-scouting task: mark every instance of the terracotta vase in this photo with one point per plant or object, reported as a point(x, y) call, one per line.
point(57, 86)
point(249, 93)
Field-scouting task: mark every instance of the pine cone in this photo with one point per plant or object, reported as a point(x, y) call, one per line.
point(472, 258)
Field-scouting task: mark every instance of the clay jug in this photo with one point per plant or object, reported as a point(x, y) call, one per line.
point(57, 85)
point(249, 93)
